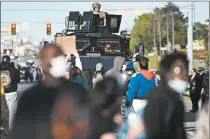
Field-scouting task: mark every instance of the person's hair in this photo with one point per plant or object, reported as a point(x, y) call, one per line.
point(194, 69)
point(168, 61)
point(74, 72)
point(144, 63)
point(7, 59)
point(47, 46)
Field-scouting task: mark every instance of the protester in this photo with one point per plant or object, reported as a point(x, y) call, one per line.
point(40, 74)
point(98, 75)
point(117, 70)
point(10, 76)
point(164, 112)
point(105, 114)
point(4, 113)
point(75, 71)
point(195, 90)
point(141, 82)
point(202, 124)
point(46, 106)
point(205, 89)
point(76, 75)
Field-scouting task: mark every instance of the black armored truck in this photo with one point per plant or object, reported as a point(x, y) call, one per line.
point(96, 37)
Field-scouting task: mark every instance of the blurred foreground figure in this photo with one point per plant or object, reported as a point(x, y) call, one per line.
point(54, 108)
point(105, 116)
point(164, 112)
point(202, 125)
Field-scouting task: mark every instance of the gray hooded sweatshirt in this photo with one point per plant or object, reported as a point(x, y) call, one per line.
point(115, 72)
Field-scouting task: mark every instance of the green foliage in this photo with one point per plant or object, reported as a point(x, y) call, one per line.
point(143, 30)
point(200, 42)
point(200, 32)
point(154, 62)
point(207, 58)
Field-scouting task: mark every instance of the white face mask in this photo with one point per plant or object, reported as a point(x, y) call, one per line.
point(124, 67)
point(58, 67)
point(178, 85)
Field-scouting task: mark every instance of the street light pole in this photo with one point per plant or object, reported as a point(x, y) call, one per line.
point(190, 36)
point(167, 31)
point(159, 30)
point(173, 30)
point(154, 33)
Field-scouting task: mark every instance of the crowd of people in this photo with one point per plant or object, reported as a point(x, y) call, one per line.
point(64, 106)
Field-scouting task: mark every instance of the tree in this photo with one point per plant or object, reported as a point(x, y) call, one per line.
point(180, 23)
point(144, 26)
point(142, 32)
point(200, 32)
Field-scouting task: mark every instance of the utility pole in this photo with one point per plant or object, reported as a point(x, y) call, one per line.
point(168, 47)
point(167, 31)
point(173, 30)
point(154, 33)
point(159, 30)
point(190, 36)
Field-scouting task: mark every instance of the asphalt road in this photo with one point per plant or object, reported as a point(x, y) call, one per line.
point(190, 118)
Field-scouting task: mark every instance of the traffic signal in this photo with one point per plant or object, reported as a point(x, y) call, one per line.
point(49, 28)
point(13, 29)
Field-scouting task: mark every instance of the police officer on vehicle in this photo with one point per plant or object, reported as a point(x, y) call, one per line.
point(96, 10)
point(96, 7)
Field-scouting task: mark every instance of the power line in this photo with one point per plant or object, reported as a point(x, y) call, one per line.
point(10, 22)
point(67, 10)
point(41, 10)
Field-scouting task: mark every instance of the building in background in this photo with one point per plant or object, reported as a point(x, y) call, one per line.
point(7, 40)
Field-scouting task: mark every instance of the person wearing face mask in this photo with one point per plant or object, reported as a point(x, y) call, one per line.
point(194, 89)
point(117, 70)
point(35, 107)
point(164, 112)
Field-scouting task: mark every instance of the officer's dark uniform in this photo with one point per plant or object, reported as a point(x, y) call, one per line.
point(205, 95)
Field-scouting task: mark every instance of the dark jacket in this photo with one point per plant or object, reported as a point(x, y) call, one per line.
point(206, 82)
point(41, 108)
point(195, 83)
point(4, 110)
point(164, 114)
point(10, 76)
